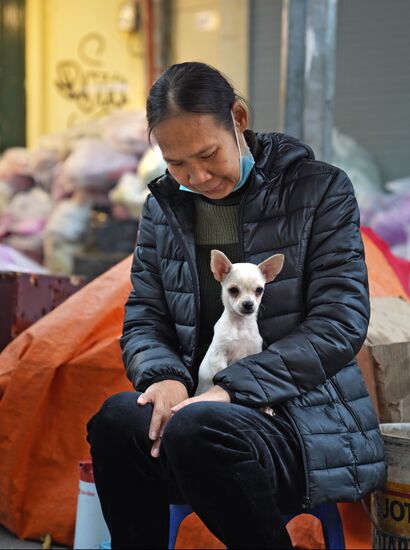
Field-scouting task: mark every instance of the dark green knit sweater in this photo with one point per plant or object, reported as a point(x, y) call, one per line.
point(216, 226)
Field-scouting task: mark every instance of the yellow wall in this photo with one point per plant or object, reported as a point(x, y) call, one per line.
point(214, 32)
point(78, 64)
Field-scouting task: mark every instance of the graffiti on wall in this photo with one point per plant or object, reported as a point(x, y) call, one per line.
point(93, 90)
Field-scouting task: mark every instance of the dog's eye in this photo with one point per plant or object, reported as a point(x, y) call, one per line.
point(259, 291)
point(233, 291)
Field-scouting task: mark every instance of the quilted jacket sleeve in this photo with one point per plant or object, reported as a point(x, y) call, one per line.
point(336, 311)
point(149, 340)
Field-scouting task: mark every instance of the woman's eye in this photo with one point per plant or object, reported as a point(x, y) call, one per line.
point(259, 291)
point(233, 291)
point(209, 157)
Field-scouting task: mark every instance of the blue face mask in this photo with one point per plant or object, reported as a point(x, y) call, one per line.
point(246, 163)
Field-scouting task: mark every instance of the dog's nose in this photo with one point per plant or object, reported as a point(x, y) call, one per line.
point(247, 306)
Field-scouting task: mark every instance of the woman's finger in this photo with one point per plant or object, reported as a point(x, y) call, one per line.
point(157, 443)
point(157, 418)
point(155, 448)
point(143, 399)
point(183, 404)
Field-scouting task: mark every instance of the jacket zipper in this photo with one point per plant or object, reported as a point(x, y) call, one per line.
point(348, 407)
point(306, 503)
point(197, 317)
point(191, 266)
point(240, 217)
point(196, 294)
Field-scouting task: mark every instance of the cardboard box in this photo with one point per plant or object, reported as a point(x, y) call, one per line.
point(385, 358)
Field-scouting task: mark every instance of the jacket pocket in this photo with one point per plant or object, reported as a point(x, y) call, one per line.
point(344, 402)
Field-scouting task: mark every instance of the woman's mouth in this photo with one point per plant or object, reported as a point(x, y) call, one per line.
point(214, 189)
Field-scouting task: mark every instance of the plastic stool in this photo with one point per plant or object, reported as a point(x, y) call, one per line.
point(177, 514)
point(332, 527)
point(327, 514)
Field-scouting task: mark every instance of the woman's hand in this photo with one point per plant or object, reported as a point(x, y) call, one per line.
point(163, 396)
point(216, 393)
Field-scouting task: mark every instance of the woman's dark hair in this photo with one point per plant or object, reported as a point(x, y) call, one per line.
point(194, 88)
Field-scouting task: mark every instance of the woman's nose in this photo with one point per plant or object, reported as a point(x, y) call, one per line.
point(198, 176)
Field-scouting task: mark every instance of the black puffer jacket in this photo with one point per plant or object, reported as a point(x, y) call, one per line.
point(313, 322)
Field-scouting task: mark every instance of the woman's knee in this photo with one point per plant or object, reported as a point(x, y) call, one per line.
point(192, 431)
point(119, 418)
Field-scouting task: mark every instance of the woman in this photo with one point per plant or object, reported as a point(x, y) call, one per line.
point(249, 195)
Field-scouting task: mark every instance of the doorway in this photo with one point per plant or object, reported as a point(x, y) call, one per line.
point(12, 74)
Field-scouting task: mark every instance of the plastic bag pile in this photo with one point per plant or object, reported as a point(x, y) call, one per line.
point(384, 207)
point(47, 193)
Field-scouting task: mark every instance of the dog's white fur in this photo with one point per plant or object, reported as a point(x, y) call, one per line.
point(236, 333)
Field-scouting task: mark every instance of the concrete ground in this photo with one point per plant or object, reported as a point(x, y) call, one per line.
point(10, 541)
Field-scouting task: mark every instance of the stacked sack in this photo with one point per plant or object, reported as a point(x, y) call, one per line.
point(384, 207)
point(48, 194)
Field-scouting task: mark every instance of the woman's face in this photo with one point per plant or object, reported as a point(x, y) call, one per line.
point(201, 153)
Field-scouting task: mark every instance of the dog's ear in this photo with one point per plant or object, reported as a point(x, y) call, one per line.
point(272, 266)
point(220, 265)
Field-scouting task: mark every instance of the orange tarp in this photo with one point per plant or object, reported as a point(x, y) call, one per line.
point(57, 373)
point(53, 377)
point(383, 279)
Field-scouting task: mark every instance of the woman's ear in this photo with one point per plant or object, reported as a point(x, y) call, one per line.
point(220, 265)
point(240, 115)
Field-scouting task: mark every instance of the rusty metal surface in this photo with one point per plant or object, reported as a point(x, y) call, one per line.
point(27, 297)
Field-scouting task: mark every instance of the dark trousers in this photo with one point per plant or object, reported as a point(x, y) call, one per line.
point(237, 467)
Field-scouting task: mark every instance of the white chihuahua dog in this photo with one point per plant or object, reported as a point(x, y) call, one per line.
point(236, 333)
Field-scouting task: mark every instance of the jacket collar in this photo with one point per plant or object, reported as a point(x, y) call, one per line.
point(278, 152)
point(178, 207)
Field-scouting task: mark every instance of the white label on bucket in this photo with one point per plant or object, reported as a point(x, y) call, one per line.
point(90, 528)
